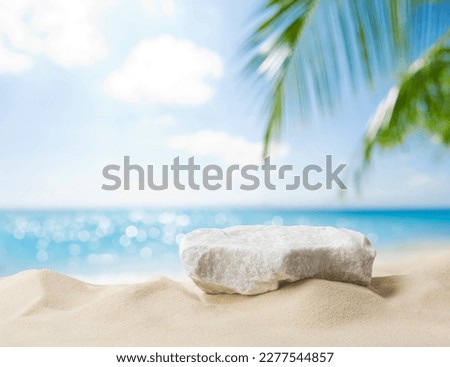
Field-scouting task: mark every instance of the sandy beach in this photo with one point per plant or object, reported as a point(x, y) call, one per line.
point(407, 304)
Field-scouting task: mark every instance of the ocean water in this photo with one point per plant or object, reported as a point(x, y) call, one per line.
point(107, 246)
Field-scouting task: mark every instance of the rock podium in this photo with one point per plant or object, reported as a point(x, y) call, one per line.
point(257, 259)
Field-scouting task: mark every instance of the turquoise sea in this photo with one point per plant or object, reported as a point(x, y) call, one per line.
point(130, 245)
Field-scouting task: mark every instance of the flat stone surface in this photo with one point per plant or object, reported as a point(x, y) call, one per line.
point(257, 259)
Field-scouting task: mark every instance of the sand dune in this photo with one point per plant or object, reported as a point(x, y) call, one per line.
point(407, 304)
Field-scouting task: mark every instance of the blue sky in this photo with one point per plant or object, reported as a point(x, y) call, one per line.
point(84, 83)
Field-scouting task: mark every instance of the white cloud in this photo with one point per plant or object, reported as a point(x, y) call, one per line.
point(420, 180)
point(427, 181)
point(157, 121)
point(12, 62)
point(223, 146)
point(65, 31)
point(165, 7)
point(166, 70)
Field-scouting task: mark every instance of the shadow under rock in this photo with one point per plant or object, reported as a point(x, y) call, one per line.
point(387, 286)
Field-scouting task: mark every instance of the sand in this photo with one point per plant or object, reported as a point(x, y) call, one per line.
point(407, 304)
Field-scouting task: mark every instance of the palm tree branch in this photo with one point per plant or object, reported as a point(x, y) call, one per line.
point(274, 53)
point(419, 102)
point(373, 37)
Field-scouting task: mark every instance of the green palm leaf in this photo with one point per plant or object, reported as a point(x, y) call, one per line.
point(310, 51)
point(274, 42)
point(421, 101)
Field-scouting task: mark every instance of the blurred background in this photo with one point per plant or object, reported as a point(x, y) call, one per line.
point(84, 83)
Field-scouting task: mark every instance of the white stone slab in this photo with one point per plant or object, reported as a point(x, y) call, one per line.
point(257, 259)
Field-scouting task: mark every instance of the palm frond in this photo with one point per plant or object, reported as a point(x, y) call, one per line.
point(274, 42)
point(310, 51)
point(421, 101)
